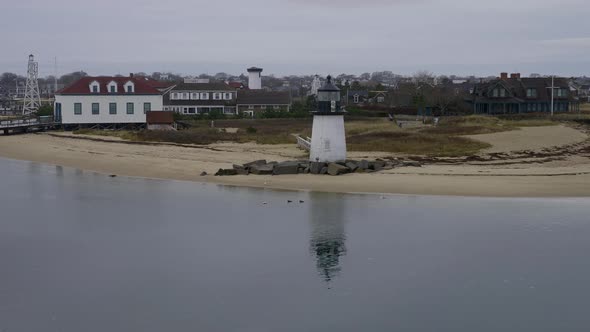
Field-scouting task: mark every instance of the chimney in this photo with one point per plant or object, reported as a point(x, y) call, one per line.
point(130, 74)
point(254, 78)
point(503, 76)
point(515, 76)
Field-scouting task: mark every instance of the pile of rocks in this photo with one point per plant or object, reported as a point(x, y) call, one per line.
point(261, 167)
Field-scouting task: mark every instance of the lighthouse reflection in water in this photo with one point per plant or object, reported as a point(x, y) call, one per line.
point(328, 235)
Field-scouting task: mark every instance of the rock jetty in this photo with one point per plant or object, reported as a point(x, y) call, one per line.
point(262, 167)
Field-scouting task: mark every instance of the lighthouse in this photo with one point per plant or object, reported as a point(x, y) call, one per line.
point(328, 142)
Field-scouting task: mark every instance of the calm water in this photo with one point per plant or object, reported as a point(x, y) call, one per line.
point(84, 252)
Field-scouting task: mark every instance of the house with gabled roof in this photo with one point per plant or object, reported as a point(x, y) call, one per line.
point(514, 95)
point(107, 100)
point(250, 102)
point(357, 97)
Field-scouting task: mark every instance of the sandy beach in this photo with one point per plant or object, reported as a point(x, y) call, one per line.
point(551, 161)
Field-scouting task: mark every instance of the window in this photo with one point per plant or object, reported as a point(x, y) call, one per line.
point(356, 99)
point(496, 93)
point(174, 96)
point(130, 88)
point(380, 99)
point(250, 107)
point(195, 96)
point(502, 93)
point(561, 92)
point(185, 96)
point(216, 96)
point(95, 108)
point(531, 93)
point(276, 107)
point(112, 87)
point(130, 108)
point(77, 108)
point(147, 107)
point(112, 108)
point(205, 95)
point(227, 96)
point(95, 88)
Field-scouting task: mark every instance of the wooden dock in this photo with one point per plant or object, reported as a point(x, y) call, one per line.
point(23, 125)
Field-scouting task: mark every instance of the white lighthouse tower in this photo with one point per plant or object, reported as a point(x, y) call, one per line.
point(328, 142)
point(254, 78)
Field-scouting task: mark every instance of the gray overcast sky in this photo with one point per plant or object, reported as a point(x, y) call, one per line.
point(298, 36)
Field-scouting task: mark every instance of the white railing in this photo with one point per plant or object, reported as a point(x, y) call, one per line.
point(303, 143)
point(16, 123)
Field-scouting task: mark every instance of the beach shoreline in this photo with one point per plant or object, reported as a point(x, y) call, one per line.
point(567, 177)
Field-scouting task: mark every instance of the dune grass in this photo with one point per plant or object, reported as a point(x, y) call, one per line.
point(375, 134)
point(415, 143)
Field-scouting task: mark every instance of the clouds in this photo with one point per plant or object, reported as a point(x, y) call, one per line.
point(299, 36)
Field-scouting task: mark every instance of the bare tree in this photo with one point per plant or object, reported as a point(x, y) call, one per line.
point(423, 77)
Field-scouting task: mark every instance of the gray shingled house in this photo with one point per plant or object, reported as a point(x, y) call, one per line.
point(514, 95)
point(250, 102)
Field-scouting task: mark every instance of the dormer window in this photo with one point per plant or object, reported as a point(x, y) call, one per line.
point(129, 87)
point(499, 92)
point(94, 87)
point(112, 87)
point(531, 93)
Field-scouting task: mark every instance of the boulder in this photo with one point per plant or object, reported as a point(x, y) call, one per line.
point(304, 164)
point(411, 163)
point(224, 172)
point(324, 170)
point(337, 169)
point(376, 165)
point(287, 167)
point(364, 164)
point(203, 173)
point(265, 169)
point(241, 169)
point(257, 163)
point(316, 167)
point(352, 166)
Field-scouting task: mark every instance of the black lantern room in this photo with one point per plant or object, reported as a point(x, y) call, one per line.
point(328, 99)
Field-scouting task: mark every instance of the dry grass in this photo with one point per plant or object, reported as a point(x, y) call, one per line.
point(415, 143)
point(375, 134)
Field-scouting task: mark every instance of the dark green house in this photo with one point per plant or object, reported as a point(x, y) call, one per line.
point(515, 95)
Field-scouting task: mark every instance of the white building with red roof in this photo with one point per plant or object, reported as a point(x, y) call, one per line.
point(107, 100)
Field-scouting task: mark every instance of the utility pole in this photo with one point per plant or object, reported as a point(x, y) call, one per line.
point(552, 87)
point(552, 93)
point(55, 78)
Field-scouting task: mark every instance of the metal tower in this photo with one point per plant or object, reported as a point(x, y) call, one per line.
point(32, 98)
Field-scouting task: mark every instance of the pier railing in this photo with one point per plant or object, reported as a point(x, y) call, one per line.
point(16, 123)
point(303, 143)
